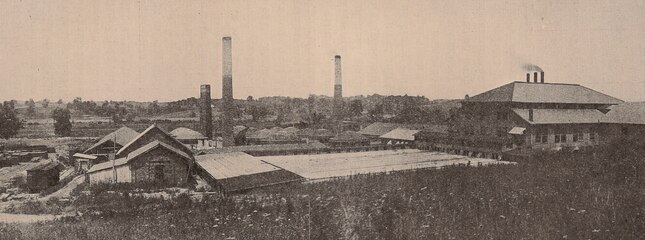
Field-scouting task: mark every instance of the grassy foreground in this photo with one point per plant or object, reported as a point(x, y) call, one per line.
point(590, 195)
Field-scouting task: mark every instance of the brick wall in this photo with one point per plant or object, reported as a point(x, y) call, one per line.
point(160, 165)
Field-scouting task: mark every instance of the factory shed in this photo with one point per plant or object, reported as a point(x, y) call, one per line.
point(43, 175)
point(84, 161)
point(349, 139)
point(238, 171)
point(377, 129)
point(188, 136)
point(154, 162)
point(272, 149)
point(112, 142)
point(399, 136)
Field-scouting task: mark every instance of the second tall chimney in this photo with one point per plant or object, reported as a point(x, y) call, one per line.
point(205, 113)
point(528, 77)
point(541, 77)
point(338, 78)
point(227, 92)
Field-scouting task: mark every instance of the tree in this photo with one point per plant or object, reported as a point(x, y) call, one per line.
point(257, 111)
point(249, 98)
point(376, 113)
point(60, 101)
point(45, 103)
point(9, 121)
point(62, 123)
point(355, 108)
point(31, 107)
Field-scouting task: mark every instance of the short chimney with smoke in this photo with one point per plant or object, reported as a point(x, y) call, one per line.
point(542, 77)
point(535, 77)
point(530, 115)
point(528, 77)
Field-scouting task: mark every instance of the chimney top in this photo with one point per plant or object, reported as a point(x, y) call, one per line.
point(226, 38)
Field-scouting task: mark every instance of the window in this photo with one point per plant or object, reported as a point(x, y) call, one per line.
point(592, 136)
point(541, 138)
point(560, 138)
point(578, 137)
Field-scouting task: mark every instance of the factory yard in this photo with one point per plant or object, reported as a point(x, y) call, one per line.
point(328, 166)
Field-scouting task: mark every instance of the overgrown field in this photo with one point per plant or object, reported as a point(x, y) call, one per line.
point(590, 195)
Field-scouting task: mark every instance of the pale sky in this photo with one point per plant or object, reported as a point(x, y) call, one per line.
point(154, 49)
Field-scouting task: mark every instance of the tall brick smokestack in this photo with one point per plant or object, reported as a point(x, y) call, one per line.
point(338, 89)
point(227, 92)
point(205, 113)
point(338, 80)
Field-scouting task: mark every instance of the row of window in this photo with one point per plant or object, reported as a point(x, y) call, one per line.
point(562, 138)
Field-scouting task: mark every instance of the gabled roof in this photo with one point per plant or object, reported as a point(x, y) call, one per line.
point(183, 133)
point(123, 136)
point(162, 136)
point(153, 145)
point(137, 153)
point(46, 166)
point(524, 92)
point(560, 116)
point(401, 134)
point(626, 113)
point(380, 128)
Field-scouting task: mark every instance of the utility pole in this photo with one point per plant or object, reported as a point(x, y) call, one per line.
point(114, 158)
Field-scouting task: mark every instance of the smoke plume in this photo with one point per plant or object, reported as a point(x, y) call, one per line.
point(532, 68)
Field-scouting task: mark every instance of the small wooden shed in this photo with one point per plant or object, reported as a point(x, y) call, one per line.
point(43, 175)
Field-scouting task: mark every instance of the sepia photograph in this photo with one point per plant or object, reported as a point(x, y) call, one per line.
point(322, 119)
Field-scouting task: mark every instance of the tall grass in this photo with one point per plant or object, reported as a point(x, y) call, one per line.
point(588, 195)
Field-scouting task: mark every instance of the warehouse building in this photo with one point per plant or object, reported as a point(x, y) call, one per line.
point(526, 117)
point(238, 171)
point(152, 156)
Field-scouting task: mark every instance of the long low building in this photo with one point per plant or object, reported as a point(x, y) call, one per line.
point(522, 118)
point(238, 171)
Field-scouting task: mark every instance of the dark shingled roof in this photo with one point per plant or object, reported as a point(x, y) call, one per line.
point(123, 136)
point(560, 116)
point(523, 92)
point(627, 113)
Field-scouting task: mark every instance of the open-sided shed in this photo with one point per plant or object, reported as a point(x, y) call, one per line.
point(238, 171)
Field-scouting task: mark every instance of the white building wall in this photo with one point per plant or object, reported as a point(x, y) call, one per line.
point(107, 175)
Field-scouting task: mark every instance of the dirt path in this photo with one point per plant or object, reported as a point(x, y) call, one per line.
point(25, 218)
point(66, 190)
